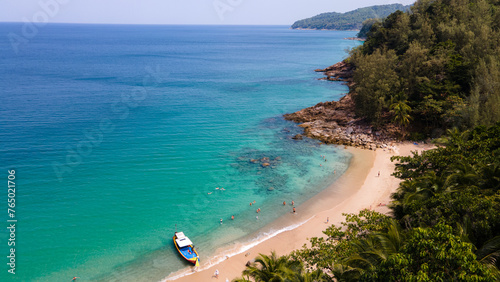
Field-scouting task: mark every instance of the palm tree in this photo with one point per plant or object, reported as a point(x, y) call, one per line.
point(375, 248)
point(489, 254)
point(344, 273)
point(463, 175)
point(301, 276)
point(273, 268)
point(453, 137)
point(401, 114)
point(490, 180)
point(425, 187)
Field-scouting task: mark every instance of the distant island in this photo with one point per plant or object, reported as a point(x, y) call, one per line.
point(352, 20)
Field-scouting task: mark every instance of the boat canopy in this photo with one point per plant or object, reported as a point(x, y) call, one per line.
point(182, 240)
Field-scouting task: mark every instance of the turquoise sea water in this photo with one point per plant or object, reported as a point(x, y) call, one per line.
point(118, 133)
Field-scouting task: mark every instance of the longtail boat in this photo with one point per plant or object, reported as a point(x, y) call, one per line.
point(186, 248)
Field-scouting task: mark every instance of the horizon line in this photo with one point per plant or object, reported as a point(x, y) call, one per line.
point(171, 24)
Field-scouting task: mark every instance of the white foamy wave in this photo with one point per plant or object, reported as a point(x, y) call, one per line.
point(233, 251)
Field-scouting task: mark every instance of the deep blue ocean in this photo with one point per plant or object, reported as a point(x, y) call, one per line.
point(118, 133)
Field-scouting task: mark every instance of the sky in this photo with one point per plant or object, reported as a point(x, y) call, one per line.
point(218, 12)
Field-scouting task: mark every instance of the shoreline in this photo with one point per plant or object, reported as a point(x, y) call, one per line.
point(336, 122)
point(358, 188)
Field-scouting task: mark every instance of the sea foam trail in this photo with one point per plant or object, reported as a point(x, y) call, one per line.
point(233, 251)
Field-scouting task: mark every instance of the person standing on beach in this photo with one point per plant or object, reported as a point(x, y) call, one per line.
point(216, 274)
point(293, 209)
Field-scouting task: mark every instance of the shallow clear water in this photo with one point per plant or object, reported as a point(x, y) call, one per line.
point(118, 133)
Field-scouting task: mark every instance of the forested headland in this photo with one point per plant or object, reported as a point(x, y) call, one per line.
point(352, 20)
point(434, 67)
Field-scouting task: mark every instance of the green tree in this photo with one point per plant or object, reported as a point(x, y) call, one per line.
point(446, 62)
point(274, 268)
point(401, 115)
point(376, 247)
point(431, 254)
point(452, 183)
point(367, 25)
point(485, 98)
point(376, 81)
point(328, 253)
point(413, 69)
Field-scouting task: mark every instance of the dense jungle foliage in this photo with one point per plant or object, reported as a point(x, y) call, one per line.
point(434, 67)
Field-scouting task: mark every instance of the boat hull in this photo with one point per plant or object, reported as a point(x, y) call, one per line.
point(188, 252)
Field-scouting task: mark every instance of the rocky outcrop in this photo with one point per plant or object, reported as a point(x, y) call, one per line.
point(341, 71)
point(336, 122)
point(355, 38)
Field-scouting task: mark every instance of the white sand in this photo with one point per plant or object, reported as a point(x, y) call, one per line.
point(360, 188)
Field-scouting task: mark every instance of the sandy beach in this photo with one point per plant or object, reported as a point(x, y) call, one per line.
point(367, 184)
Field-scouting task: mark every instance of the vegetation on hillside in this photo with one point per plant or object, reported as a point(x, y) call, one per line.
point(367, 26)
point(352, 20)
point(434, 67)
point(429, 70)
point(446, 224)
